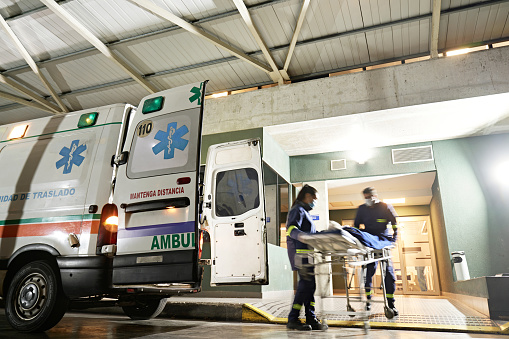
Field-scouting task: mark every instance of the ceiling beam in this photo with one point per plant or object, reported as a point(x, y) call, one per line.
point(11, 83)
point(32, 64)
point(435, 24)
point(23, 101)
point(156, 10)
point(296, 32)
point(105, 50)
point(276, 74)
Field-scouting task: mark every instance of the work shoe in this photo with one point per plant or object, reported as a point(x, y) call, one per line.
point(316, 325)
point(368, 305)
point(297, 325)
point(390, 304)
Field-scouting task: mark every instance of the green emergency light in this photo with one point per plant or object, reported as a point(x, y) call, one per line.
point(152, 105)
point(88, 119)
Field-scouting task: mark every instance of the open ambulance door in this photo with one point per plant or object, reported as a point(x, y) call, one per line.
point(156, 193)
point(234, 208)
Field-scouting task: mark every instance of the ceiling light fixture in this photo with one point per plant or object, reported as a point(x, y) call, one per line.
point(219, 95)
point(395, 201)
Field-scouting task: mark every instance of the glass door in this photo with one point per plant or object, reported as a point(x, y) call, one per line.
point(417, 272)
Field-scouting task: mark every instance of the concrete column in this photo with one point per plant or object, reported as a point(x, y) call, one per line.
point(320, 215)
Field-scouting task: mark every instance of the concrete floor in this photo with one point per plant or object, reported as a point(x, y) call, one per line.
point(92, 326)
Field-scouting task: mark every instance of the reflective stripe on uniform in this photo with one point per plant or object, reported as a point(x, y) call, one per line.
point(312, 303)
point(290, 229)
point(394, 226)
point(303, 251)
point(369, 292)
point(389, 295)
point(381, 220)
point(297, 306)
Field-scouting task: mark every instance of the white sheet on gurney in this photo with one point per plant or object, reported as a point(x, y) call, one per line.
point(334, 241)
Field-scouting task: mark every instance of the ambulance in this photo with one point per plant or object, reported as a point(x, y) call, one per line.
point(108, 203)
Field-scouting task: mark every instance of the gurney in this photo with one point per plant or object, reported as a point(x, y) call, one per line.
point(338, 247)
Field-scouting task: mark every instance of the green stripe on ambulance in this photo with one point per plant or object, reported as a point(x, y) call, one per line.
point(172, 241)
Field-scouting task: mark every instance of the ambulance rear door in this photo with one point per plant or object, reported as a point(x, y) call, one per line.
point(233, 205)
point(156, 191)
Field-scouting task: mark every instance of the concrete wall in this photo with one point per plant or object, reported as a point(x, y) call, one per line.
point(463, 76)
point(475, 205)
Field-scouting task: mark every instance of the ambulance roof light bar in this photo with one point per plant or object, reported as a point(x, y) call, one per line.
point(87, 119)
point(18, 132)
point(153, 105)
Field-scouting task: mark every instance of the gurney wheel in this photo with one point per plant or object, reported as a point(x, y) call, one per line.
point(350, 309)
point(366, 327)
point(389, 313)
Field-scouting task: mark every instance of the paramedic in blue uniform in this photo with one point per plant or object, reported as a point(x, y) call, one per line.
point(300, 222)
point(376, 215)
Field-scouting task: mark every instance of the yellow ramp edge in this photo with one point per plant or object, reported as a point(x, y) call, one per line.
point(251, 313)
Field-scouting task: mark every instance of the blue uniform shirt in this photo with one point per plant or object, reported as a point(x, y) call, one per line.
point(376, 218)
point(299, 221)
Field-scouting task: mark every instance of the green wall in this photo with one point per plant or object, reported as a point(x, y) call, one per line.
point(476, 207)
point(317, 166)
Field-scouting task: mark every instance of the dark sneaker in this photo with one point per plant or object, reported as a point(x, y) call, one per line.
point(396, 313)
point(316, 325)
point(297, 325)
point(392, 307)
point(368, 305)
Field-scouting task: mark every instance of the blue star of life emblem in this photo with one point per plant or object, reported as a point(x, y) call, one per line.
point(170, 140)
point(71, 156)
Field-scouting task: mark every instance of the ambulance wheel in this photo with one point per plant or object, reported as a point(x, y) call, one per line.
point(35, 301)
point(389, 313)
point(145, 309)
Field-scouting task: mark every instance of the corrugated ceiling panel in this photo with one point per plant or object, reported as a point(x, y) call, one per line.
point(500, 21)
point(10, 8)
point(277, 23)
point(45, 36)
point(114, 19)
point(20, 113)
point(196, 9)
point(130, 93)
point(10, 56)
point(169, 51)
point(234, 31)
point(84, 72)
point(222, 76)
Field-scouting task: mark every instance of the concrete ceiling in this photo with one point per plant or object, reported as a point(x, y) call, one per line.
point(428, 122)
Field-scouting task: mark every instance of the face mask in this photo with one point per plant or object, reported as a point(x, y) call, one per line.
point(312, 204)
point(369, 202)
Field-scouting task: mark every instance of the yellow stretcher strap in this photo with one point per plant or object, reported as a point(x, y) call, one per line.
point(290, 230)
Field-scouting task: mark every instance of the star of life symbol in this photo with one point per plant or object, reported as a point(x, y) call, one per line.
point(71, 156)
point(170, 140)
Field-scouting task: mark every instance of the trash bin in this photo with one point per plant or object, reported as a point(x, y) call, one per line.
point(460, 265)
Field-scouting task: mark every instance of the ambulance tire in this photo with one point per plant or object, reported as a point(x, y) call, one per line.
point(35, 301)
point(145, 309)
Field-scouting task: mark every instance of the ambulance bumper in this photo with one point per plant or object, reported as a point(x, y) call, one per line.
point(85, 276)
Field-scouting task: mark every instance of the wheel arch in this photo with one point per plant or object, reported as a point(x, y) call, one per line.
point(25, 255)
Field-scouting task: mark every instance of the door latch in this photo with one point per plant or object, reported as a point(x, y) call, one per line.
point(239, 233)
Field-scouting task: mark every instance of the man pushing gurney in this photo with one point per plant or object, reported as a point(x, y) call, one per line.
point(376, 215)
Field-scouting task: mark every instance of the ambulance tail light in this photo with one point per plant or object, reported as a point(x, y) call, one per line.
point(108, 227)
point(200, 245)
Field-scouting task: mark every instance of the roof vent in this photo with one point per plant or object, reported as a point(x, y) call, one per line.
point(412, 154)
point(337, 165)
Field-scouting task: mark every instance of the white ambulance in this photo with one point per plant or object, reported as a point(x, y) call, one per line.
point(105, 203)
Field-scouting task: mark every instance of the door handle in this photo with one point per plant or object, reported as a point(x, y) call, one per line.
point(239, 233)
point(239, 224)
